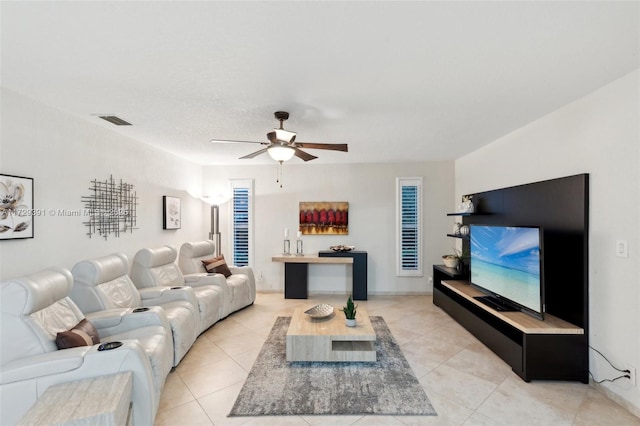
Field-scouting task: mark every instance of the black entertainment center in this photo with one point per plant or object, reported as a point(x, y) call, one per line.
point(555, 348)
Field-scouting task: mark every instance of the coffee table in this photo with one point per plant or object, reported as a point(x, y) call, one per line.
point(329, 339)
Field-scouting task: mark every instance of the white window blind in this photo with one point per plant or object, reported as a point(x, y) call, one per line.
point(409, 226)
point(242, 220)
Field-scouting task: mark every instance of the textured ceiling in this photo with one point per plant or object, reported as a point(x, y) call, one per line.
point(397, 81)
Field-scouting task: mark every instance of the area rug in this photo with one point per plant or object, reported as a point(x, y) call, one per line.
point(385, 387)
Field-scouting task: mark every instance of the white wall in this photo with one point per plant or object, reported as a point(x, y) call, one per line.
point(63, 154)
point(599, 135)
point(370, 191)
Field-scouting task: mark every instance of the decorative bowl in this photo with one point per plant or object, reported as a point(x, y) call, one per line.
point(450, 261)
point(342, 248)
point(320, 311)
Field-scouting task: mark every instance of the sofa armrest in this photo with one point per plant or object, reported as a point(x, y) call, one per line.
point(200, 279)
point(61, 361)
point(115, 321)
point(153, 296)
point(248, 271)
point(43, 364)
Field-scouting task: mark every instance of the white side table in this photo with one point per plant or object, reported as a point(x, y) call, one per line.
point(104, 400)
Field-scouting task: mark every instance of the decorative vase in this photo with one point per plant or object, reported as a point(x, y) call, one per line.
point(467, 207)
point(350, 322)
point(456, 228)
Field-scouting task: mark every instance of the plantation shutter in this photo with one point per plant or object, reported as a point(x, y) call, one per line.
point(241, 222)
point(409, 262)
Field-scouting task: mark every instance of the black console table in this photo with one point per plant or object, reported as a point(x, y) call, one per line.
point(360, 278)
point(296, 271)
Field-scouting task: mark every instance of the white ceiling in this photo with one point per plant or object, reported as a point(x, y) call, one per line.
point(397, 81)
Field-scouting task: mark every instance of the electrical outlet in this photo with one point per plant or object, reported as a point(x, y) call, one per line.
point(430, 280)
point(632, 374)
point(622, 248)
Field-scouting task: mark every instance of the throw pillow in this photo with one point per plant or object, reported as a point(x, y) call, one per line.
point(83, 334)
point(217, 265)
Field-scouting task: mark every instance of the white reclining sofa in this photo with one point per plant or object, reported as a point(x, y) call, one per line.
point(35, 309)
point(156, 267)
point(102, 284)
point(240, 285)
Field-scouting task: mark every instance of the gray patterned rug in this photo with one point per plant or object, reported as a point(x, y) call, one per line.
point(385, 387)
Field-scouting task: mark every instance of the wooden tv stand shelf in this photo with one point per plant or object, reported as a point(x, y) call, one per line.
point(552, 349)
point(520, 320)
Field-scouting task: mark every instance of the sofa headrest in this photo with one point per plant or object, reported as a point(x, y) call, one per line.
point(101, 270)
point(32, 293)
point(153, 257)
point(198, 249)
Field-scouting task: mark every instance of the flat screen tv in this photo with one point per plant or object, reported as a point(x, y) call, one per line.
point(507, 265)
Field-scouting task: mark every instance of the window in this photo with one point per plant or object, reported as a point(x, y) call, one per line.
point(242, 221)
point(409, 226)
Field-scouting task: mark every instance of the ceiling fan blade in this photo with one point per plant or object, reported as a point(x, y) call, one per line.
point(254, 154)
point(332, 146)
point(304, 155)
point(234, 141)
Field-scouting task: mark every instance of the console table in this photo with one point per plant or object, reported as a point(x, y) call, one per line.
point(296, 271)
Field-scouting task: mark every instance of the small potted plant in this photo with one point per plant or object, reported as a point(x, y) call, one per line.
point(462, 256)
point(350, 313)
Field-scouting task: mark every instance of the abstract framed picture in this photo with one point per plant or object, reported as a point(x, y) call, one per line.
point(324, 217)
point(16, 207)
point(170, 212)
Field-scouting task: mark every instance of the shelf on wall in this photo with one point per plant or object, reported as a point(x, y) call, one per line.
point(458, 235)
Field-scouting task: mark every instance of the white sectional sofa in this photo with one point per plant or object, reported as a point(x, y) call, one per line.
point(240, 285)
point(35, 309)
point(154, 310)
point(102, 284)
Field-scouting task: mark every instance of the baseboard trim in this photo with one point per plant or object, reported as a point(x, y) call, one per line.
point(616, 398)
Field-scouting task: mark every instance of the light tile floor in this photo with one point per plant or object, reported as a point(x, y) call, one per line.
point(466, 383)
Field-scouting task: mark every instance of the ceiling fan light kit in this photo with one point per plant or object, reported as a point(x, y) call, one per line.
point(285, 135)
point(282, 146)
point(281, 152)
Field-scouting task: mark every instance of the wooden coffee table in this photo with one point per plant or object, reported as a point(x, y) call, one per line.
point(329, 339)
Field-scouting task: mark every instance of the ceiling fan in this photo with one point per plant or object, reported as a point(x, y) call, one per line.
point(282, 145)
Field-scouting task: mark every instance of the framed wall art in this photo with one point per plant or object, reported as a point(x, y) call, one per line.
point(170, 212)
point(324, 218)
point(16, 207)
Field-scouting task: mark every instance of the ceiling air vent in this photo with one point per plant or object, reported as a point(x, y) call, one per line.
point(115, 120)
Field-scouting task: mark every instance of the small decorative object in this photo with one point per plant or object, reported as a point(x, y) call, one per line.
point(170, 212)
point(16, 207)
point(464, 230)
point(462, 257)
point(299, 250)
point(467, 205)
point(342, 248)
point(320, 311)
point(324, 218)
point(286, 250)
point(450, 260)
point(456, 228)
point(111, 208)
point(350, 313)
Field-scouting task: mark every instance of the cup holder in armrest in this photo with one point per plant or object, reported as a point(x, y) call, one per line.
point(140, 309)
point(106, 346)
point(178, 287)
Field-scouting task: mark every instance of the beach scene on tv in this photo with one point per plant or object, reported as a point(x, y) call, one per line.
point(506, 261)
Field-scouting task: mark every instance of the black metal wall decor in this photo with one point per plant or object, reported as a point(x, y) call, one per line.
point(111, 208)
